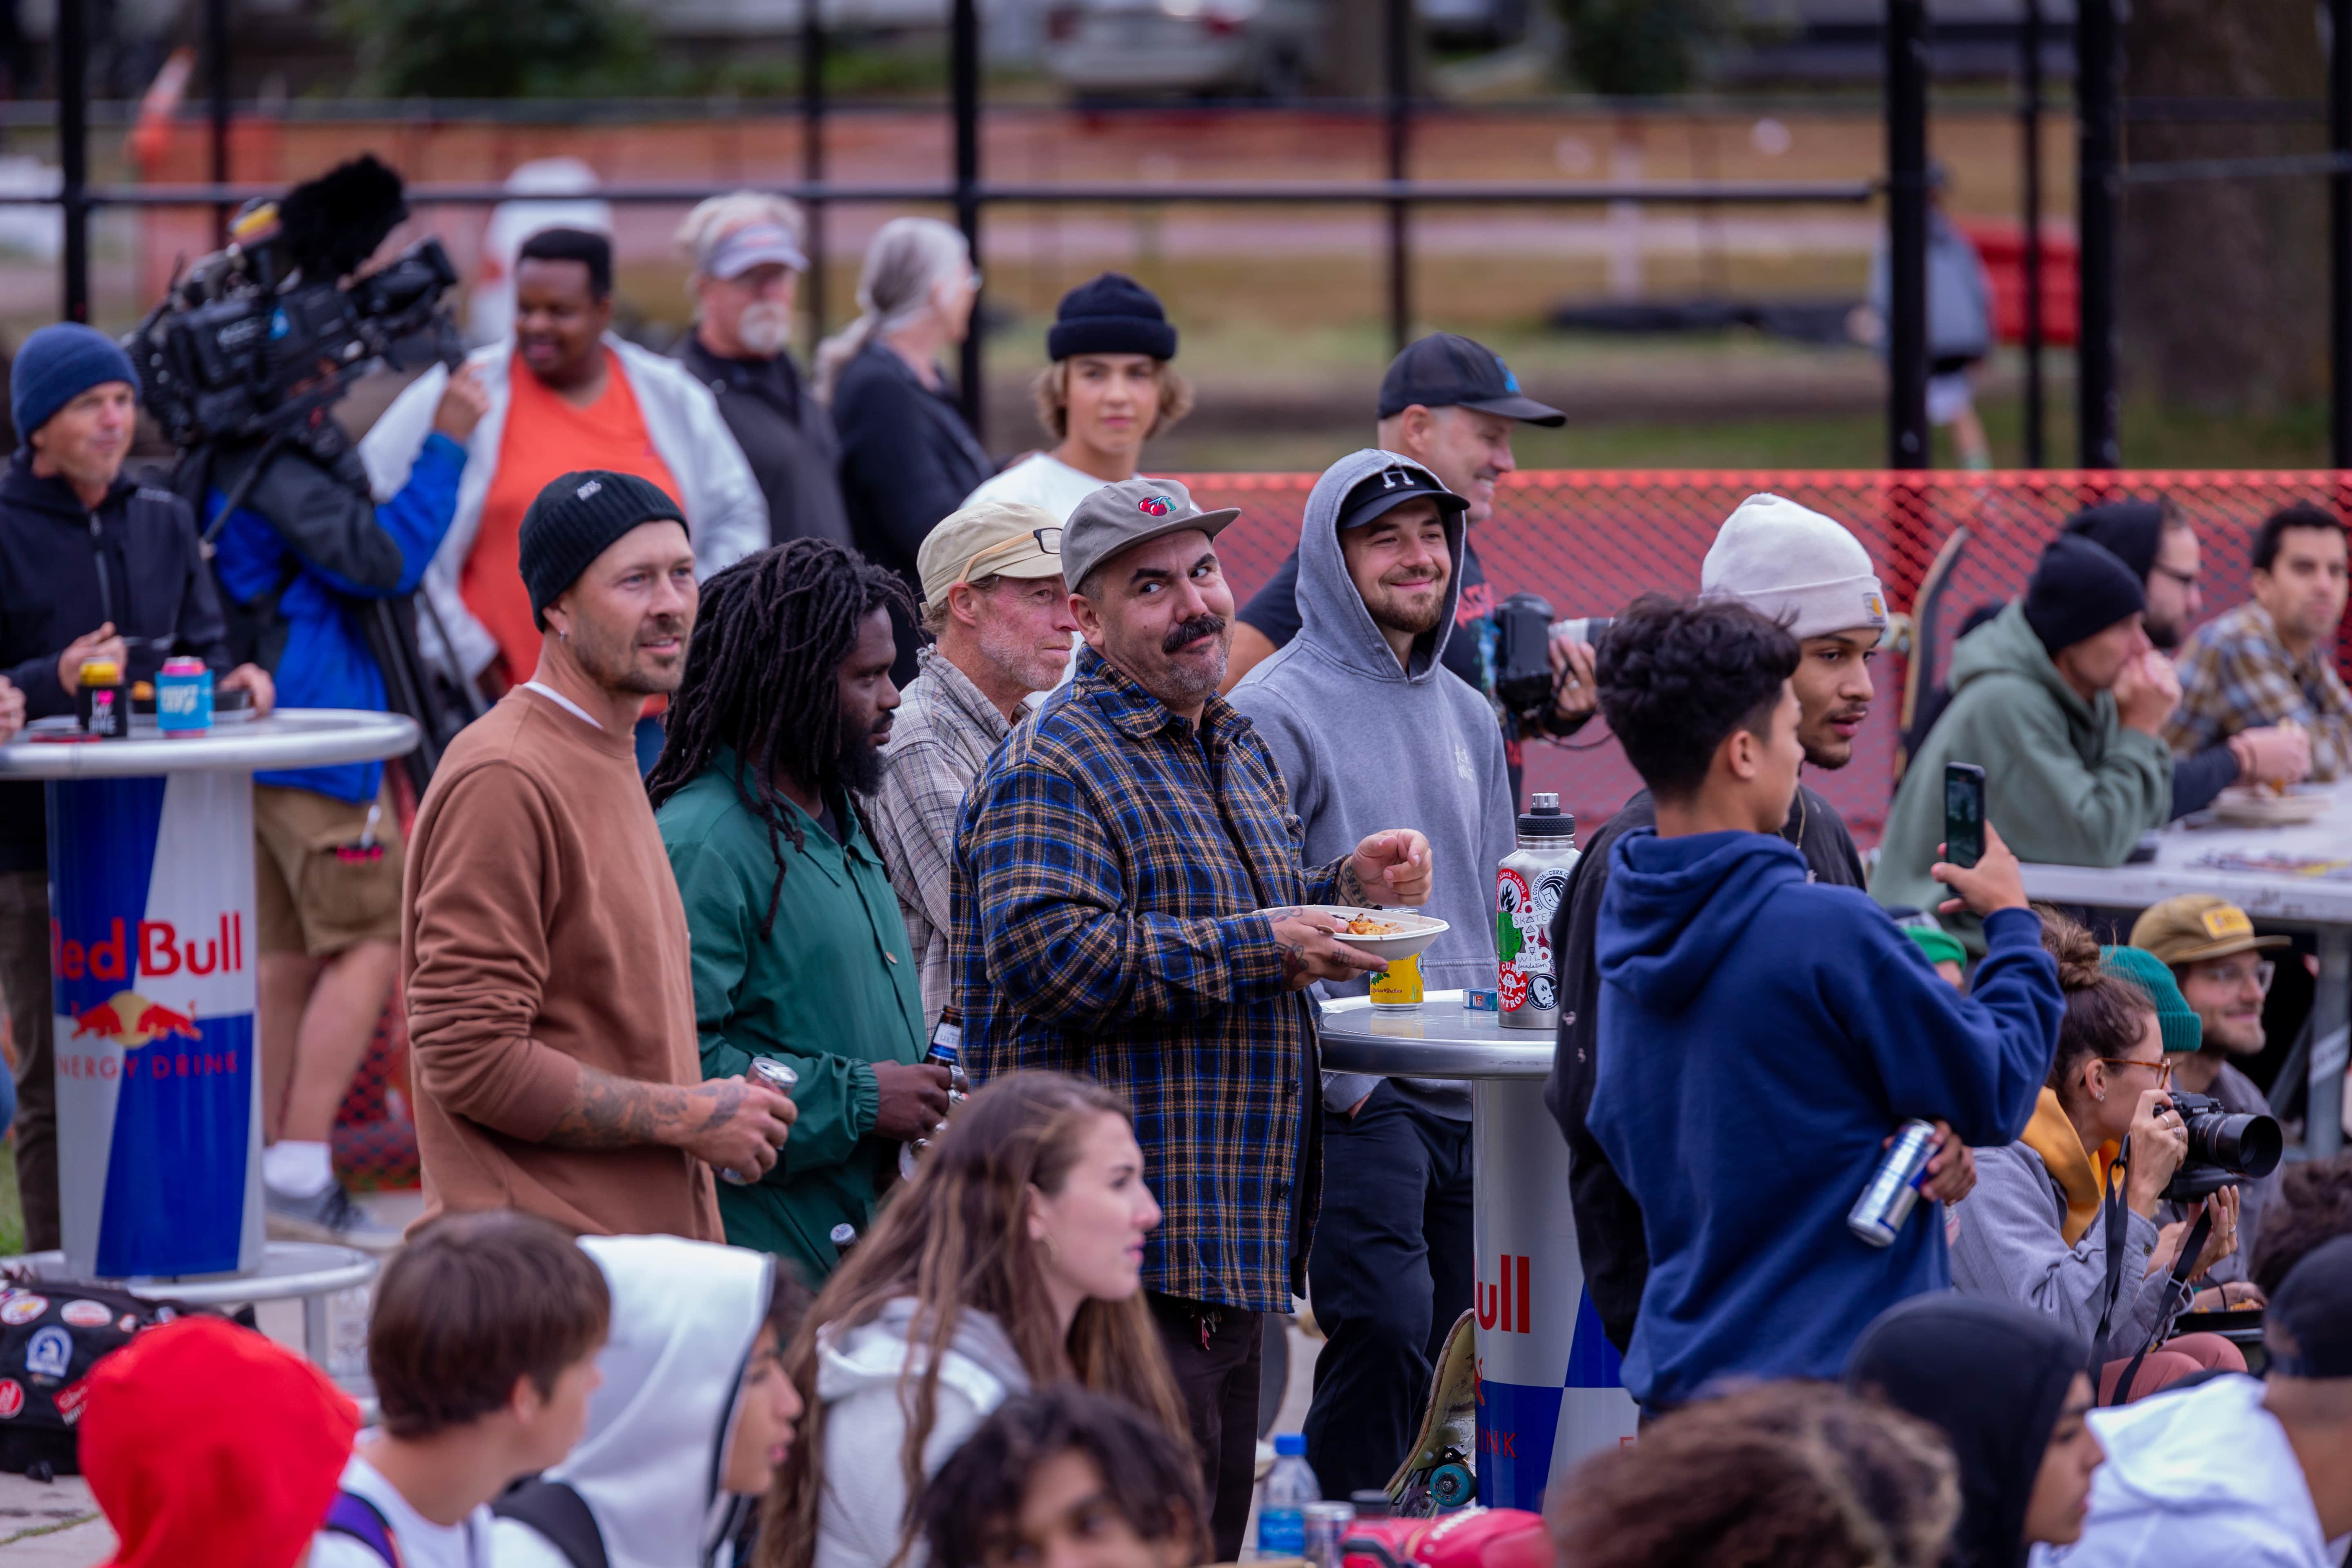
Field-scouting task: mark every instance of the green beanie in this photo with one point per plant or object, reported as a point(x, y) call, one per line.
point(1940, 946)
point(2183, 1031)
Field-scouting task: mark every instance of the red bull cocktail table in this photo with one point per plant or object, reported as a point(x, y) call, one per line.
point(1549, 1385)
point(153, 966)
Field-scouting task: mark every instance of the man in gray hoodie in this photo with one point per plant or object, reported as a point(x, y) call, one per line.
point(1365, 721)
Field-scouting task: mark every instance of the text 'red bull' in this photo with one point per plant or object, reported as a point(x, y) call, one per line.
point(1495, 1301)
point(161, 951)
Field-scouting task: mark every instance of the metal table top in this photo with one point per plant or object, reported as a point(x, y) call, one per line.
point(2283, 896)
point(289, 1269)
point(1441, 1040)
point(289, 738)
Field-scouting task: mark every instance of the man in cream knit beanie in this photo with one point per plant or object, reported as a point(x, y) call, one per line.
point(1807, 572)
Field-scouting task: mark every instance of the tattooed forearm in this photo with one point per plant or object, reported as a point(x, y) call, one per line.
point(614, 1112)
point(1351, 887)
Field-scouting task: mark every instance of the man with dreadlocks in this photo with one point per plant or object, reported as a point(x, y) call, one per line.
point(799, 949)
point(549, 1005)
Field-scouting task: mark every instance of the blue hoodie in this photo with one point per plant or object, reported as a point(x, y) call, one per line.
point(1759, 1036)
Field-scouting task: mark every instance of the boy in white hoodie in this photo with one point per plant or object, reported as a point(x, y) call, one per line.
point(2256, 1474)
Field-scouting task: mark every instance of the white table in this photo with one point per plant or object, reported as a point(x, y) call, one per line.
point(1551, 1389)
point(2322, 905)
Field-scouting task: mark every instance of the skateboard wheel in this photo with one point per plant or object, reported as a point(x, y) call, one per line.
point(1452, 1486)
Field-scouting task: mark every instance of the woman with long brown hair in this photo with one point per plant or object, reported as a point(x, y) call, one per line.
point(1011, 1261)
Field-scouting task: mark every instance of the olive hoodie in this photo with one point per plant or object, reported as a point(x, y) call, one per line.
point(2064, 782)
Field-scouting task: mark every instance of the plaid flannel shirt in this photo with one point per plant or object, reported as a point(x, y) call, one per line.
point(1106, 872)
point(2234, 676)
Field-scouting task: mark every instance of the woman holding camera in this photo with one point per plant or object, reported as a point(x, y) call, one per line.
point(2033, 1230)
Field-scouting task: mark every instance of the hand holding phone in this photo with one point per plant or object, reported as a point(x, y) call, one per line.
point(1964, 813)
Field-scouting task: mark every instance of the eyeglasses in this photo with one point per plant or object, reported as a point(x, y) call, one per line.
point(2262, 972)
point(2163, 1070)
point(1049, 540)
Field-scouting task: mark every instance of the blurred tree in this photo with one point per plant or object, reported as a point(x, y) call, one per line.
point(2221, 294)
point(1635, 49)
point(496, 48)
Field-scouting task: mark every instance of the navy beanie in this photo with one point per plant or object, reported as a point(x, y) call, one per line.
point(2132, 529)
point(1112, 314)
point(576, 518)
point(2079, 590)
point(58, 364)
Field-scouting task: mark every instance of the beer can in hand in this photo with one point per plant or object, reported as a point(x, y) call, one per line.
point(1878, 1215)
point(774, 1075)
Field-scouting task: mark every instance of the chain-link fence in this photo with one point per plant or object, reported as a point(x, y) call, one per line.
point(1591, 542)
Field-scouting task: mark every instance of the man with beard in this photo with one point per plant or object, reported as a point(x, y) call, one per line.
point(2272, 660)
point(798, 951)
point(1365, 718)
point(1129, 876)
point(2156, 539)
point(1805, 571)
point(994, 601)
point(551, 1007)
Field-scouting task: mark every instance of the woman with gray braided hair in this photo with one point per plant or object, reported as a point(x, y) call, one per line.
point(798, 951)
point(907, 458)
point(1780, 1475)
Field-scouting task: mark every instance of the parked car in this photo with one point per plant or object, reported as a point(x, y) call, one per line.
point(1122, 48)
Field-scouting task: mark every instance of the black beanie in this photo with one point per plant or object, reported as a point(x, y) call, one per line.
point(2132, 529)
point(2079, 590)
point(1112, 314)
point(576, 518)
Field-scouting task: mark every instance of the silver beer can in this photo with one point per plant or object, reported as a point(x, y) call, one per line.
point(1878, 1215)
point(1328, 1524)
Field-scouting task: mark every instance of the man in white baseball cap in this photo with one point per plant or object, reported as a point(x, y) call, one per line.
point(995, 603)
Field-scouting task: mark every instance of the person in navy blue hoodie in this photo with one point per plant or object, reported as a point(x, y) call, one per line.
point(1761, 1035)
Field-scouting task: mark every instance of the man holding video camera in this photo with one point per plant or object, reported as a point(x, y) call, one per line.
point(92, 566)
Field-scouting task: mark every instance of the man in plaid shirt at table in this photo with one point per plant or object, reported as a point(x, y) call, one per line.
point(2272, 660)
point(1125, 882)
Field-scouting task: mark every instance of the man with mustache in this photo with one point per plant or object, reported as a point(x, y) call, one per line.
point(551, 999)
point(745, 248)
point(1129, 876)
point(1809, 573)
point(799, 953)
point(1365, 720)
point(564, 392)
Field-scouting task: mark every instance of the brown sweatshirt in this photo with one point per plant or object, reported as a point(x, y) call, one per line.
point(543, 930)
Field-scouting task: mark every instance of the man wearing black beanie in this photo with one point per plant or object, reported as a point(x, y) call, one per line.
point(550, 989)
point(2062, 701)
point(1110, 389)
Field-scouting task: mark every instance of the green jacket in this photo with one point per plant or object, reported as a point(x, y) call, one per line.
point(831, 990)
point(2064, 782)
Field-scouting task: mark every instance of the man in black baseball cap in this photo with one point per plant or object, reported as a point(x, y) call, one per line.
point(2233, 1470)
point(1449, 404)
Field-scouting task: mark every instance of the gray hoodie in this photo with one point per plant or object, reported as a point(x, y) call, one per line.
point(1364, 745)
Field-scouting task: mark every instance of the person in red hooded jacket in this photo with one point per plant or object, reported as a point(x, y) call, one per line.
point(210, 1446)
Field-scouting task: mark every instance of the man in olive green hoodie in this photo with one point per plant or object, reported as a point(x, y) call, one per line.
point(2062, 701)
point(799, 953)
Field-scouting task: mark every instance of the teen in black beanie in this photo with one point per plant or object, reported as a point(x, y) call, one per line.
point(2079, 590)
point(576, 518)
point(1112, 314)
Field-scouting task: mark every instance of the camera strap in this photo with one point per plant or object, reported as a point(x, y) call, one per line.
point(2115, 1224)
point(2175, 1292)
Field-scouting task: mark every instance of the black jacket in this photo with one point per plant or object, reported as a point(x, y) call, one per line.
point(907, 459)
point(1609, 1237)
point(786, 436)
point(65, 570)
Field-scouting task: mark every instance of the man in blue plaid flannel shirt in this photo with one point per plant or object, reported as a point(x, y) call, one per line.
point(1127, 875)
point(2272, 660)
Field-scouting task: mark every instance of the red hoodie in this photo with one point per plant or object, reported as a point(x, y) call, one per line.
point(210, 1446)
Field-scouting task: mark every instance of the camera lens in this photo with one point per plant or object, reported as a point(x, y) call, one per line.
point(2248, 1144)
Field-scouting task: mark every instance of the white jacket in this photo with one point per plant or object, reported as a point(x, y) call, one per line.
point(2195, 1479)
point(726, 514)
point(857, 1379)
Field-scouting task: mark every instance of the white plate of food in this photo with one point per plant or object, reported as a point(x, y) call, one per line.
point(2260, 805)
point(1388, 935)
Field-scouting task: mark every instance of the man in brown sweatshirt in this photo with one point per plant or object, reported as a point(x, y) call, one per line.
point(551, 1001)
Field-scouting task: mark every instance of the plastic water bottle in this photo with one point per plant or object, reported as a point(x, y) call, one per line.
point(1289, 1487)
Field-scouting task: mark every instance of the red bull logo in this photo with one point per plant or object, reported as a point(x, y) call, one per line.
point(160, 951)
point(129, 1020)
point(1496, 1300)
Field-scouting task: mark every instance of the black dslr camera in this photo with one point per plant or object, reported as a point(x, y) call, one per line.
point(259, 339)
point(2224, 1147)
point(1523, 678)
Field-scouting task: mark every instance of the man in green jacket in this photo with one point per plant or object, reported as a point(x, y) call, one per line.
point(2062, 701)
point(799, 949)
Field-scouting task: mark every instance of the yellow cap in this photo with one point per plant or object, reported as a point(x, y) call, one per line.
point(100, 672)
point(2191, 926)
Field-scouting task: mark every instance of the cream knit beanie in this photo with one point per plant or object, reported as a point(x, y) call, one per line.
point(1795, 565)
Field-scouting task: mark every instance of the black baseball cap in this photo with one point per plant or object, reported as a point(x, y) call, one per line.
point(1446, 371)
point(1378, 494)
point(2308, 1327)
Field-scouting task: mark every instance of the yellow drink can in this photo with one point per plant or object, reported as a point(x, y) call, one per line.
point(1397, 989)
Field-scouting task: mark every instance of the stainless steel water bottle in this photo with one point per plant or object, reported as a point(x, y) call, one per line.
point(1528, 886)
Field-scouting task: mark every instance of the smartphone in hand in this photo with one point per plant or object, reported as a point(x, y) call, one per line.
point(1964, 813)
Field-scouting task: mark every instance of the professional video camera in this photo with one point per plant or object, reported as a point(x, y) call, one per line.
point(2224, 1147)
point(257, 340)
point(1523, 677)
